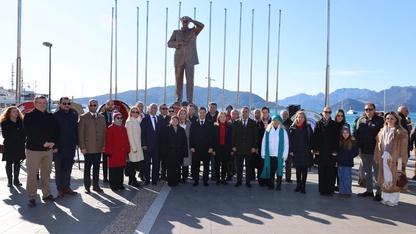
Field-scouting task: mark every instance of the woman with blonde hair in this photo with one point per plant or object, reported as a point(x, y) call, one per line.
point(391, 153)
point(135, 158)
point(185, 123)
point(300, 149)
point(14, 143)
point(274, 150)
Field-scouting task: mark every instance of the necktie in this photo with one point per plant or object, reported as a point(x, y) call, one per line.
point(154, 123)
point(244, 123)
point(94, 115)
point(202, 123)
point(109, 117)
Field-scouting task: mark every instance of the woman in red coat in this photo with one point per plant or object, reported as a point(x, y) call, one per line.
point(117, 147)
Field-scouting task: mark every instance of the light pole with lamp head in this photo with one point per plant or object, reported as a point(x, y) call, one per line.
point(48, 44)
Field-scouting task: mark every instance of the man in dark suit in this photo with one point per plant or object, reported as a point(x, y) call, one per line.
point(201, 145)
point(163, 112)
point(262, 124)
point(244, 143)
point(108, 116)
point(151, 127)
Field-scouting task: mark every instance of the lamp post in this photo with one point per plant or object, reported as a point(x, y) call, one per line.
point(48, 44)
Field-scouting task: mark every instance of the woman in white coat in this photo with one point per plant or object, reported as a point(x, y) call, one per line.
point(135, 157)
point(274, 150)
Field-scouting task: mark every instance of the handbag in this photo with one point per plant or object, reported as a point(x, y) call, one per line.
point(401, 176)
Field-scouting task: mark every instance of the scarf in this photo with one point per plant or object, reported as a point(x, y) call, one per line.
point(388, 136)
point(117, 124)
point(300, 126)
point(266, 167)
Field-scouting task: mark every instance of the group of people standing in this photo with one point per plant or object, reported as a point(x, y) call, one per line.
point(164, 145)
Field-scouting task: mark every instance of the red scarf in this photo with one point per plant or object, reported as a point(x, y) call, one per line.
point(300, 126)
point(222, 133)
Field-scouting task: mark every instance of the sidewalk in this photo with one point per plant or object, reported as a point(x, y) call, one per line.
point(213, 209)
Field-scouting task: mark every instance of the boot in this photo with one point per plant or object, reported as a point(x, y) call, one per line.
point(9, 176)
point(16, 175)
point(279, 183)
point(302, 188)
point(297, 189)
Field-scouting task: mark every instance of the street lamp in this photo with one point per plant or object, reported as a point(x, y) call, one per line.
point(48, 44)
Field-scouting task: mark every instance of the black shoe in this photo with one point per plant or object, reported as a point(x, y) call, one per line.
point(105, 180)
point(163, 177)
point(377, 198)
point(184, 180)
point(329, 194)
point(147, 182)
point(218, 182)
point(97, 189)
point(248, 185)
point(297, 189)
point(49, 198)
point(32, 203)
point(206, 184)
point(414, 177)
point(87, 191)
point(9, 183)
point(289, 180)
point(122, 188)
point(195, 184)
point(336, 189)
point(237, 184)
point(224, 182)
point(154, 183)
point(17, 183)
point(366, 194)
point(213, 178)
point(136, 184)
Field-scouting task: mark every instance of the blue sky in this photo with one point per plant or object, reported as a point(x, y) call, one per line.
point(372, 44)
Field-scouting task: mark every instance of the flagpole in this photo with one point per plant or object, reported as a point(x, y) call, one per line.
point(251, 62)
point(223, 63)
point(111, 54)
point(239, 56)
point(278, 58)
point(137, 58)
point(268, 52)
point(19, 59)
point(166, 53)
point(179, 22)
point(145, 63)
point(209, 55)
point(327, 56)
point(115, 56)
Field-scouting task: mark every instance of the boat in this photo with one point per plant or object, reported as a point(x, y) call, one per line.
point(8, 97)
point(351, 111)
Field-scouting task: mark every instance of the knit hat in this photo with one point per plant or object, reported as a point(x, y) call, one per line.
point(346, 127)
point(116, 113)
point(278, 118)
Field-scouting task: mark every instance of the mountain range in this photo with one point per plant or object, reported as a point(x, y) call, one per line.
point(341, 98)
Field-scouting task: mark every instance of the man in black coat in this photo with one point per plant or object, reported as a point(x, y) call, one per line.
point(367, 128)
point(287, 122)
point(262, 124)
point(65, 147)
point(108, 116)
point(201, 145)
point(244, 143)
point(163, 113)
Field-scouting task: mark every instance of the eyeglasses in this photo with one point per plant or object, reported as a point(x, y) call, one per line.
point(119, 118)
point(369, 109)
point(390, 118)
point(66, 103)
point(327, 112)
point(135, 112)
point(340, 116)
point(171, 111)
point(93, 104)
point(164, 108)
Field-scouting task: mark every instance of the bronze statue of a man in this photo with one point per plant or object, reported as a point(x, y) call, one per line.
point(186, 56)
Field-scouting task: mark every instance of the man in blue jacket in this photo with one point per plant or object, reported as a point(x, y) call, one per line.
point(65, 147)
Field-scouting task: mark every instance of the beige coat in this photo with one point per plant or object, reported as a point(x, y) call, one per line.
point(91, 133)
point(398, 149)
point(134, 134)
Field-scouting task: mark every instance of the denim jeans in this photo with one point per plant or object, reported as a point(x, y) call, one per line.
point(345, 180)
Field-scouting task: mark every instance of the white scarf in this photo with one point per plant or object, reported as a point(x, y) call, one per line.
point(388, 136)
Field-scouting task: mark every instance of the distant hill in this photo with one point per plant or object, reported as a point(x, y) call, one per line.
point(340, 98)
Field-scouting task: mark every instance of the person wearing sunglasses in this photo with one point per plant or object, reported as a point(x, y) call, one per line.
point(117, 147)
point(65, 147)
point(367, 128)
point(91, 136)
point(342, 123)
point(325, 147)
point(163, 112)
point(136, 157)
